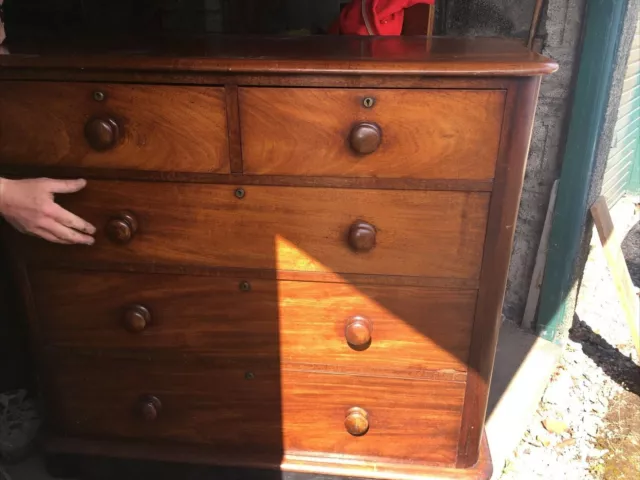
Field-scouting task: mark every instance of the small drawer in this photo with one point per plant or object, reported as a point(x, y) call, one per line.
point(424, 134)
point(250, 407)
point(118, 126)
point(345, 231)
point(333, 327)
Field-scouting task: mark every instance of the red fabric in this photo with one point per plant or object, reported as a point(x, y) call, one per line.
point(386, 17)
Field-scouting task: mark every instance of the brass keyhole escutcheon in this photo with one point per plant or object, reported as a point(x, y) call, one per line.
point(98, 96)
point(369, 102)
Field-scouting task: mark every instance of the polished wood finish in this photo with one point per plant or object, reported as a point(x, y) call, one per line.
point(362, 236)
point(357, 421)
point(418, 233)
point(365, 138)
point(274, 410)
point(382, 469)
point(150, 407)
point(136, 127)
point(417, 332)
point(516, 136)
point(315, 55)
point(302, 245)
point(358, 332)
point(136, 318)
point(122, 227)
point(102, 133)
point(417, 133)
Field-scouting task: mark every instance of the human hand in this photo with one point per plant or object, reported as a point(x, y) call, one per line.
point(30, 207)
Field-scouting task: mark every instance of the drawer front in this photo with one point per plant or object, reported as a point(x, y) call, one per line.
point(370, 330)
point(135, 127)
point(430, 234)
point(443, 134)
point(192, 401)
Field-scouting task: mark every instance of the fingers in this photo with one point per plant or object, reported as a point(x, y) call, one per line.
point(42, 233)
point(64, 234)
point(70, 220)
point(66, 186)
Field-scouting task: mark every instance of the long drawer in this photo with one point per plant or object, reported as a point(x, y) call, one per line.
point(192, 401)
point(413, 233)
point(341, 328)
point(443, 134)
point(134, 127)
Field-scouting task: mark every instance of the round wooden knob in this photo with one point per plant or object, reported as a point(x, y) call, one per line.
point(136, 318)
point(362, 236)
point(102, 133)
point(122, 228)
point(149, 407)
point(365, 138)
point(357, 421)
point(358, 332)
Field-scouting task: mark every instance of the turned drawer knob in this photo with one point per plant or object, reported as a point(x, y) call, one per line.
point(102, 133)
point(136, 318)
point(365, 138)
point(358, 331)
point(149, 407)
point(357, 421)
point(122, 228)
point(362, 236)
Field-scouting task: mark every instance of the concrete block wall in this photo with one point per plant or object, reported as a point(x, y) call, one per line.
point(562, 29)
point(560, 32)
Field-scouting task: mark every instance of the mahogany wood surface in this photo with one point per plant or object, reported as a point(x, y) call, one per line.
point(418, 233)
point(161, 128)
point(516, 137)
point(289, 464)
point(252, 407)
point(302, 244)
point(447, 134)
point(412, 332)
point(316, 54)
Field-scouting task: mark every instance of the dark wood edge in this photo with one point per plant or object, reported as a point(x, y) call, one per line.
point(503, 212)
point(256, 274)
point(299, 462)
point(26, 171)
point(219, 79)
point(234, 129)
point(433, 67)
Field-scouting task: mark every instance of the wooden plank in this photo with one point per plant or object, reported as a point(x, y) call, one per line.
point(618, 266)
point(541, 259)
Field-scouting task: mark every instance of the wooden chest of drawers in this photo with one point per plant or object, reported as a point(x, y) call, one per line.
point(301, 254)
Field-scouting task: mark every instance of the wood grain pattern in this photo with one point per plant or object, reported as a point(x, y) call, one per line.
point(514, 148)
point(333, 465)
point(416, 333)
point(316, 54)
point(297, 229)
point(425, 134)
point(162, 128)
point(344, 80)
point(271, 411)
point(233, 124)
point(457, 185)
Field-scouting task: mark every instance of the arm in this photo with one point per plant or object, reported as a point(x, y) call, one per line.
point(29, 206)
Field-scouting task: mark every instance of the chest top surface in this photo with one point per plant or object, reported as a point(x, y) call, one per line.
point(431, 56)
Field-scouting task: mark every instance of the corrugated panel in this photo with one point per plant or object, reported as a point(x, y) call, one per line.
point(623, 170)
